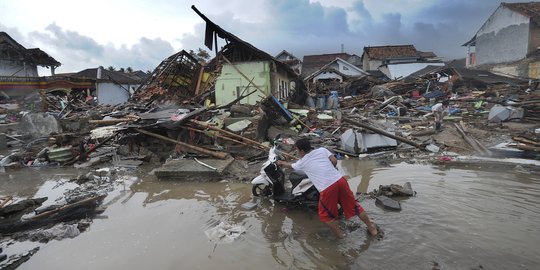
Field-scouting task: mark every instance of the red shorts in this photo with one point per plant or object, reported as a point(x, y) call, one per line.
point(338, 193)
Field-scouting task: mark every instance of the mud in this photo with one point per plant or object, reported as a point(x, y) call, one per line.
point(459, 218)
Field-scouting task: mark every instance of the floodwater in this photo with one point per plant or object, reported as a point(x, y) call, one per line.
point(460, 219)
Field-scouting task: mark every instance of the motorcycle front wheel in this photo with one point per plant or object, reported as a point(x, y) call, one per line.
point(261, 190)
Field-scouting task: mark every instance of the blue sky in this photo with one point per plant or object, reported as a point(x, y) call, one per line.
point(141, 33)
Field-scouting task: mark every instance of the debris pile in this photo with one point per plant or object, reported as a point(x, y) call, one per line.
point(211, 120)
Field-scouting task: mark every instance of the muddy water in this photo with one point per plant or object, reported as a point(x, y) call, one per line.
point(460, 219)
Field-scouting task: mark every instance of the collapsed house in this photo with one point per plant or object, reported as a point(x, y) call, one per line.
point(245, 68)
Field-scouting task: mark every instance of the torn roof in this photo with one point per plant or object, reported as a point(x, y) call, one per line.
point(312, 63)
point(236, 47)
point(12, 50)
point(530, 9)
point(391, 51)
point(286, 56)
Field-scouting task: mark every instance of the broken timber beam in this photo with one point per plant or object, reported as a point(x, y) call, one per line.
point(111, 121)
point(525, 140)
point(522, 146)
point(205, 151)
point(472, 142)
point(238, 137)
point(85, 154)
point(91, 200)
point(384, 133)
point(6, 200)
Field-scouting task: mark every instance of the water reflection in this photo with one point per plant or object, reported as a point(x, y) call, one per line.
point(353, 168)
point(461, 219)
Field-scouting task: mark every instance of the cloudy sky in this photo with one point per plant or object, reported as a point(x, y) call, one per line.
point(141, 33)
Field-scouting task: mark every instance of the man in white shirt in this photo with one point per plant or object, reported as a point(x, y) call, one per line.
point(320, 167)
point(438, 111)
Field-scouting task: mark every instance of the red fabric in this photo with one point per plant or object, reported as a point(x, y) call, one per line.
point(338, 193)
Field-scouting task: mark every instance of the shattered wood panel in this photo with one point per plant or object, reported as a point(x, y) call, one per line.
point(173, 79)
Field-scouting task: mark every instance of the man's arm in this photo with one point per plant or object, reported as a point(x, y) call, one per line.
point(284, 164)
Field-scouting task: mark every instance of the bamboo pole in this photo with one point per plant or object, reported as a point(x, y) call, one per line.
point(384, 133)
point(205, 151)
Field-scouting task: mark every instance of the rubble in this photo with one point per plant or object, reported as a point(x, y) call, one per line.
point(175, 123)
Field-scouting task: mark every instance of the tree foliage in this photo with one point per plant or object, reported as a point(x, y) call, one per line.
point(201, 55)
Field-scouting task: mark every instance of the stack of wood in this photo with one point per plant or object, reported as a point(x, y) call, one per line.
point(527, 144)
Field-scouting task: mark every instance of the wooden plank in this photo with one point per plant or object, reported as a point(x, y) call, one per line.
point(384, 133)
point(205, 151)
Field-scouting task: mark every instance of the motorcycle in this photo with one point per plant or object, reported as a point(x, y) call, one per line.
point(271, 183)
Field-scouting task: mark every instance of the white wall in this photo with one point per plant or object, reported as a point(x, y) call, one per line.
point(10, 68)
point(404, 70)
point(327, 75)
point(112, 94)
point(503, 38)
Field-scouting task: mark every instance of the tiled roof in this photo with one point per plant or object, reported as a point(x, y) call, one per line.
point(18, 52)
point(312, 63)
point(427, 54)
point(530, 9)
point(387, 52)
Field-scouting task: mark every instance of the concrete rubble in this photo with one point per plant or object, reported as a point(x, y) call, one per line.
point(179, 129)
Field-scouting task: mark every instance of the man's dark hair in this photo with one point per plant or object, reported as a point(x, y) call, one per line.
point(445, 102)
point(303, 144)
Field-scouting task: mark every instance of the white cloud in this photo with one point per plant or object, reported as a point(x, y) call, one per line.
point(141, 33)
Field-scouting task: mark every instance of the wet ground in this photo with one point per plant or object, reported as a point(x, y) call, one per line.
point(460, 219)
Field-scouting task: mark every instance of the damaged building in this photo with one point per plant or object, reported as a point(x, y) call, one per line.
point(246, 69)
point(509, 41)
point(397, 61)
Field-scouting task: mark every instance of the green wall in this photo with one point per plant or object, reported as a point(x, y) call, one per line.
point(230, 84)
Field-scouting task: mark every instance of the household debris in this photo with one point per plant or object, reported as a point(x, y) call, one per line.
point(184, 121)
point(224, 233)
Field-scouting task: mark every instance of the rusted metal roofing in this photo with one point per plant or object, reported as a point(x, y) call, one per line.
point(312, 63)
point(392, 51)
point(530, 9)
point(12, 50)
point(427, 54)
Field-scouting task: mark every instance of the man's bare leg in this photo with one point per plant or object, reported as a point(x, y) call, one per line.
point(371, 227)
point(335, 228)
